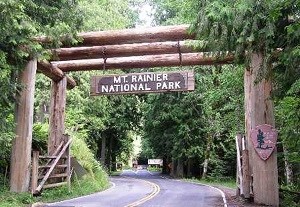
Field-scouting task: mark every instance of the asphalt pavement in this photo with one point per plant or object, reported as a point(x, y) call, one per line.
point(145, 189)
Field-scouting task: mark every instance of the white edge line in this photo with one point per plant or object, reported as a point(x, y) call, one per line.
point(220, 191)
point(113, 185)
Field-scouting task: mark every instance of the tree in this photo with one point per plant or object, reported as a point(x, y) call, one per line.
point(262, 35)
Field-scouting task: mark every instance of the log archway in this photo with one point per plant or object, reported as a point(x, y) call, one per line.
point(140, 48)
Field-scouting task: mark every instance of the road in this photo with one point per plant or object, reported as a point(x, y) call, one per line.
point(145, 189)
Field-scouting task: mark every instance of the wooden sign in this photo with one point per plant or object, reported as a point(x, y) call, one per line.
point(143, 83)
point(264, 139)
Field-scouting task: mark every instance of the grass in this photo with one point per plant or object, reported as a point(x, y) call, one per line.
point(154, 169)
point(87, 185)
point(224, 182)
point(115, 173)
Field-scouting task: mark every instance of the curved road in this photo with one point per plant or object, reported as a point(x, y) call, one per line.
point(145, 189)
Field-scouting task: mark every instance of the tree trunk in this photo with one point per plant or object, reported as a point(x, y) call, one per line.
point(21, 149)
point(102, 159)
point(173, 168)
point(207, 155)
point(57, 114)
point(259, 110)
point(179, 172)
point(189, 167)
point(288, 167)
point(165, 168)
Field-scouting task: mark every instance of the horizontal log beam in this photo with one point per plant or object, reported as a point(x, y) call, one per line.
point(54, 73)
point(147, 61)
point(126, 36)
point(124, 50)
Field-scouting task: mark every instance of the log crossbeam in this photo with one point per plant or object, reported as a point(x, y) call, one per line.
point(127, 36)
point(54, 73)
point(125, 50)
point(146, 61)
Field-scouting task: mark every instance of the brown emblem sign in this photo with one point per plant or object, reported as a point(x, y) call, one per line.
point(264, 138)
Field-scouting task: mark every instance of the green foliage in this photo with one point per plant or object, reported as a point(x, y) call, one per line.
point(83, 154)
point(88, 185)
point(40, 137)
point(170, 12)
point(223, 182)
point(108, 14)
point(182, 125)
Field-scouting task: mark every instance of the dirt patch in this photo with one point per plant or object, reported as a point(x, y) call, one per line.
point(233, 200)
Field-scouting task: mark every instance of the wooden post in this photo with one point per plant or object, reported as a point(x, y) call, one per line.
point(246, 180)
point(57, 114)
point(239, 165)
point(259, 110)
point(68, 162)
point(21, 149)
point(35, 173)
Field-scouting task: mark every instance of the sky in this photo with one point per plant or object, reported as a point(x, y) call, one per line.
point(145, 16)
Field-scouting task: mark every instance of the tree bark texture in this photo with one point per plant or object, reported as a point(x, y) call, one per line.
point(147, 61)
point(109, 51)
point(179, 171)
point(259, 110)
point(288, 167)
point(57, 114)
point(103, 145)
point(54, 73)
point(127, 36)
point(21, 149)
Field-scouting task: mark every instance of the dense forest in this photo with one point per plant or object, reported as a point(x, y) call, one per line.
point(194, 133)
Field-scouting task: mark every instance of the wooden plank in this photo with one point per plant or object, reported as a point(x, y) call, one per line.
point(127, 36)
point(259, 110)
point(39, 188)
point(34, 175)
point(54, 73)
point(61, 175)
point(57, 115)
point(49, 166)
point(142, 83)
point(55, 185)
point(147, 61)
point(68, 162)
point(21, 149)
point(125, 50)
point(51, 157)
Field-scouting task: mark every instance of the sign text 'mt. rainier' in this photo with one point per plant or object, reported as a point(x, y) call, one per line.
point(143, 83)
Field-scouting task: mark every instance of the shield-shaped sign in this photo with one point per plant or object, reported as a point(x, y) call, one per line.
point(264, 138)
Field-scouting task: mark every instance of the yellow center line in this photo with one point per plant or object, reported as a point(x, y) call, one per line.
point(154, 192)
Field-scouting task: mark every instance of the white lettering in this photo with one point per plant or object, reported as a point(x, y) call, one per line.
point(158, 86)
point(140, 78)
point(165, 77)
point(104, 89)
point(111, 89)
point(133, 78)
point(117, 79)
point(171, 85)
point(147, 88)
point(126, 87)
point(141, 87)
point(158, 77)
point(177, 86)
